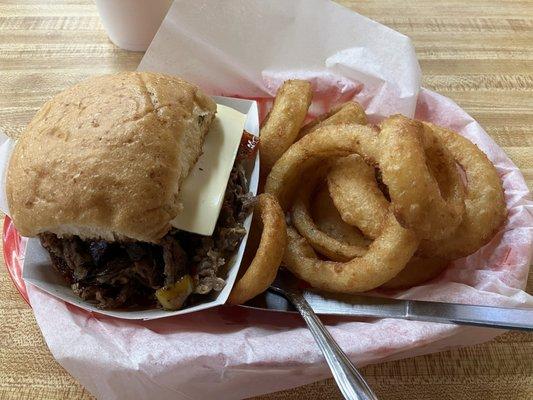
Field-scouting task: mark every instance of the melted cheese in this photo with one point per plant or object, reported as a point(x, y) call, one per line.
point(202, 192)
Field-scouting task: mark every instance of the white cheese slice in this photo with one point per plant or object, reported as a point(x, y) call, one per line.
point(202, 192)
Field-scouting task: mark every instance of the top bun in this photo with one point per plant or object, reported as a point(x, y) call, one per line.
point(105, 158)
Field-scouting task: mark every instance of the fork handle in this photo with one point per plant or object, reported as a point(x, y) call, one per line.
point(351, 383)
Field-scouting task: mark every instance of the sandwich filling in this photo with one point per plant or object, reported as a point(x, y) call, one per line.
point(130, 274)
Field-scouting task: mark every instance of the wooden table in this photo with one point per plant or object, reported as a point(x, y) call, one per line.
point(479, 53)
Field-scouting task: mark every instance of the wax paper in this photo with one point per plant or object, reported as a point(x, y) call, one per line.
point(247, 48)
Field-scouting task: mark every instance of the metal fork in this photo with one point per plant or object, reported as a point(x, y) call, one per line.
point(350, 382)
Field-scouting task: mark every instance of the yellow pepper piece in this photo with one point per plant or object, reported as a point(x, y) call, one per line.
point(172, 297)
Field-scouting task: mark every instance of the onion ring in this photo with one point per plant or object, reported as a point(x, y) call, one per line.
point(350, 112)
point(385, 258)
point(311, 150)
point(329, 221)
point(264, 266)
point(361, 203)
point(319, 240)
point(485, 204)
point(398, 151)
point(356, 195)
point(417, 271)
point(284, 121)
point(416, 198)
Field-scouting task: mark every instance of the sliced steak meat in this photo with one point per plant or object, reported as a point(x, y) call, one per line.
point(108, 274)
point(52, 243)
point(175, 259)
point(54, 246)
point(99, 250)
point(77, 257)
point(147, 273)
point(137, 251)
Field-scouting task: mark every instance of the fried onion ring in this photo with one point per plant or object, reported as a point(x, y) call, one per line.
point(385, 258)
point(356, 195)
point(485, 204)
point(329, 221)
point(311, 151)
point(362, 204)
point(264, 266)
point(350, 112)
point(417, 271)
point(284, 121)
point(416, 198)
point(322, 242)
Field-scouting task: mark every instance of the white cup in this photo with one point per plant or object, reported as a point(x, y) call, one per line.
point(132, 24)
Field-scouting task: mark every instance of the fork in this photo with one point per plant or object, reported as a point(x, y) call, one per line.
point(349, 380)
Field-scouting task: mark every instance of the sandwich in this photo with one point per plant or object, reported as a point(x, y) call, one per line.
point(96, 176)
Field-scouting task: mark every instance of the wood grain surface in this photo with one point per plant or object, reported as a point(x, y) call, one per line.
point(479, 53)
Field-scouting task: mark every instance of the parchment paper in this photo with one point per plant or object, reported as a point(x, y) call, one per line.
point(246, 48)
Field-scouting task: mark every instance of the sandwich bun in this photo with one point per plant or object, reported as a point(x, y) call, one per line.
point(105, 158)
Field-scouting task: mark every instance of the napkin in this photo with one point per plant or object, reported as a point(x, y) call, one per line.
point(246, 48)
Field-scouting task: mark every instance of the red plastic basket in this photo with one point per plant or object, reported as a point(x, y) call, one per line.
point(14, 249)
